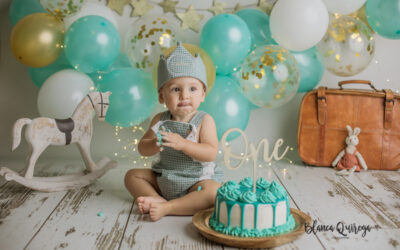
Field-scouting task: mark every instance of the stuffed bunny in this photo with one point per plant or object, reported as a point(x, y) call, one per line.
point(349, 159)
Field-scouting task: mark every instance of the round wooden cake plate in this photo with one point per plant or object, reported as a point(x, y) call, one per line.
point(201, 218)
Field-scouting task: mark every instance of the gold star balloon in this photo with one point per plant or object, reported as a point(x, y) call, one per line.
point(168, 6)
point(217, 8)
point(140, 8)
point(117, 5)
point(190, 19)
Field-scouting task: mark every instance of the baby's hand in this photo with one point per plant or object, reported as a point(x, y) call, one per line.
point(173, 140)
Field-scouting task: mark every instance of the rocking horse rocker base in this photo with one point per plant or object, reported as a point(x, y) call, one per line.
point(60, 183)
point(42, 132)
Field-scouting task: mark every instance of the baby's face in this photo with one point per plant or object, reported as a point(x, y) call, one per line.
point(182, 95)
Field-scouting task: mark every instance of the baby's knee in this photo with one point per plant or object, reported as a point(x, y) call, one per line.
point(130, 176)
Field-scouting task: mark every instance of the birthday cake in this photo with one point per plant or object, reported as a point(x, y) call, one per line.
point(238, 211)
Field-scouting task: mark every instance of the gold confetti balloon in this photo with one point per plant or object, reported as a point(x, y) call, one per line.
point(269, 76)
point(37, 40)
point(148, 38)
point(348, 46)
point(193, 49)
point(62, 8)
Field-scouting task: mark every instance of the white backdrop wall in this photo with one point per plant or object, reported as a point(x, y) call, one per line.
point(18, 93)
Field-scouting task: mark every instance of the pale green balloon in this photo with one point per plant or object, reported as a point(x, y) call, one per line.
point(227, 105)
point(61, 93)
point(133, 96)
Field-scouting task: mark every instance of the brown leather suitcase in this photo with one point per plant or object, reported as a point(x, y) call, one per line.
point(324, 114)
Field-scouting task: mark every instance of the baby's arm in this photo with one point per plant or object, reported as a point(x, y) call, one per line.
point(207, 148)
point(148, 144)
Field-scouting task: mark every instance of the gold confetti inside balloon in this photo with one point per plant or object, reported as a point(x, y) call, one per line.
point(269, 76)
point(361, 15)
point(148, 37)
point(37, 40)
point(348, 46)
point(193, 49)
point(62, 8)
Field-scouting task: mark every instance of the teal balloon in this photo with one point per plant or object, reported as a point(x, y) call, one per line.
point(227, 105)
point(311, 68)
point(133, 96)
point(227, 39)
point(39, 75)
point(258, 23)
point(22, 8)
point(91, 43)
point(122, 61)
point(384, 17)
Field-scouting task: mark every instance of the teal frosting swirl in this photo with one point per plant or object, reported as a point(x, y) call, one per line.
point(277, 190)
point(267, 197)
point(247, 182)
point(262, 183)
point(248, 197)
point(232, 195)
point(232, 184)
point(222, 190)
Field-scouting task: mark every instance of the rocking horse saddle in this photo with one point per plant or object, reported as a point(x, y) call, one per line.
point(66, 126)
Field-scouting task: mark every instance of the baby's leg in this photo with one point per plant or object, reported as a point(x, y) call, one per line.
point(142, 184)
point(189, 204)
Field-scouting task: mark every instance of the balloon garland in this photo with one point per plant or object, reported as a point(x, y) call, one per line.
point(260, 60)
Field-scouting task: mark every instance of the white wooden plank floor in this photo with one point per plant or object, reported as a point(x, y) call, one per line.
point(70, 220)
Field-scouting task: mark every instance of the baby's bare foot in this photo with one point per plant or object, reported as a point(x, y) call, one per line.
point(158, 210)
point(145, 201)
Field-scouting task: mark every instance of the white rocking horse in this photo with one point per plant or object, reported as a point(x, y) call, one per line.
point(42, 132)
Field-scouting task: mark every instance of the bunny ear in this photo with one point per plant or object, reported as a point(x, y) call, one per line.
point(357, 131)
point(349, 129)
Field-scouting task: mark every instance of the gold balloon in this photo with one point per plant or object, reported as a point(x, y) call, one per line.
point(37, 40)
point(193, 49)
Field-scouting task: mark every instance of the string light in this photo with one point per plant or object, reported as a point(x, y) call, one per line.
point(129, 139)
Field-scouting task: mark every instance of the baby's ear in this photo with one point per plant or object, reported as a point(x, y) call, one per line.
point(160, 97)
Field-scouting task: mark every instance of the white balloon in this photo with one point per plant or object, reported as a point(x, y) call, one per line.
point(88, 9)
point(343, 6)
point(298, 25)
point(61, 93)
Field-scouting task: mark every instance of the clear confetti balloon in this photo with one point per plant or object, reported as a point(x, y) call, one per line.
point(269, 76)
point(348, 46)
point(147, 39)
point(62, 8)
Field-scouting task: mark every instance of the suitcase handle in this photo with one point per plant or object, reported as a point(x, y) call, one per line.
point(356, 82)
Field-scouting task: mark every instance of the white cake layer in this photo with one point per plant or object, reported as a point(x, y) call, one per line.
point(264, 218)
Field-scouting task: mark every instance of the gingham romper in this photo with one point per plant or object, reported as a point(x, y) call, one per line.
point(176, 171)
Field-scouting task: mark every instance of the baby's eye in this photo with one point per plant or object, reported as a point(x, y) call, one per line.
point(193, 89)
point(175, 89)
